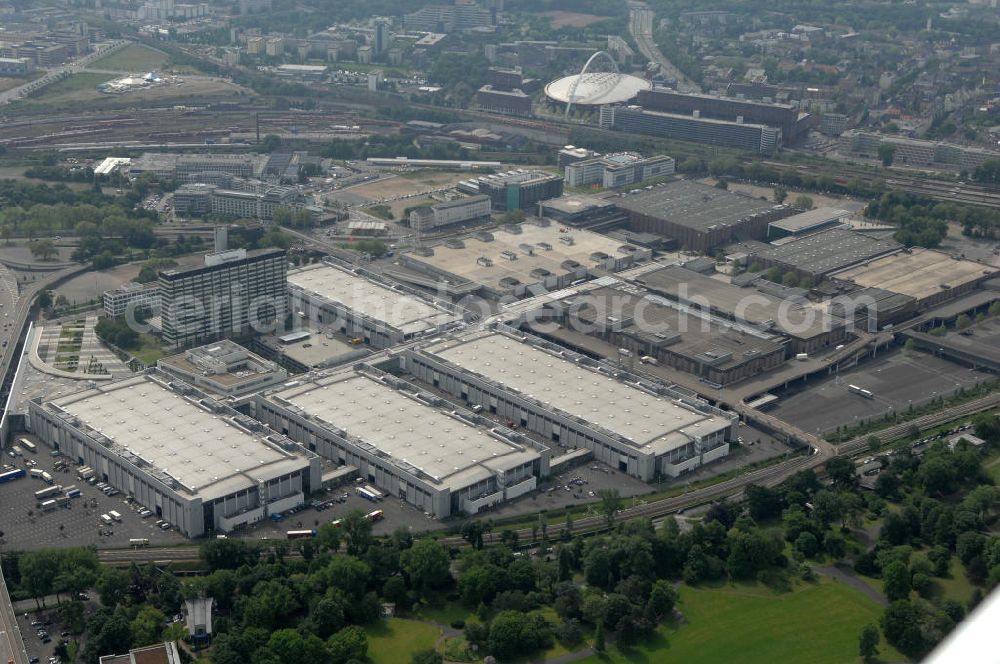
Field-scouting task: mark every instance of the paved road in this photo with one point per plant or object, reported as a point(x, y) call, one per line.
point(11, 643)
point(56, 73)
point(640, 25)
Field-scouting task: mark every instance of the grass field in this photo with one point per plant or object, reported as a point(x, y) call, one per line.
point(992, 465)
point(71, 86)
point(815, 623)
point(150, 351)
point(133, 58)
point(957, 585)
point(394, 641)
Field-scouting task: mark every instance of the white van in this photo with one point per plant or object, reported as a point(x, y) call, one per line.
point(115, 515)
point(106, 520)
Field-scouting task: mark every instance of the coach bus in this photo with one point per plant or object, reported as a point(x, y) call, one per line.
point(300, 534)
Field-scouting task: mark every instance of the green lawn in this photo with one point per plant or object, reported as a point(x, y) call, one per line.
point(814, 623)
point(71, 85)
point(992, 465)
point(133, 58)
point(394, 641)
point(957, 585)
point(445, 614)
point(150, 351)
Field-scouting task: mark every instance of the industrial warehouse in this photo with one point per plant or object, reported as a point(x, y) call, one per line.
point(698, 216)
point(377, 312)
point(825, 252)
point(405, 441)
point(638, 427)
point(518, 260)
point(608, 320)
point(192, 461)
point(808, 328)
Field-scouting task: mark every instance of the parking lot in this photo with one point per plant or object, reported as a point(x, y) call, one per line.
point(895, 380)
point(26, 527)
point(27, 614)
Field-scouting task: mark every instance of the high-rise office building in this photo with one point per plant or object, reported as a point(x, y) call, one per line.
point(381, 36)
point(235, 292)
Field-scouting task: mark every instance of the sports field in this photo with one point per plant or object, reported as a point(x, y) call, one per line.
point(815, 623)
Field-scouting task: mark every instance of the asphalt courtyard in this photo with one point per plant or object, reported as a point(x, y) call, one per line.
point(896, 381)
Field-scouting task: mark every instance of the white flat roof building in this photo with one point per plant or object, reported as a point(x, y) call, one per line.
point(380, 312)
point(195, 462)
point(640, 427)
point(404, 441)
point(520, 259)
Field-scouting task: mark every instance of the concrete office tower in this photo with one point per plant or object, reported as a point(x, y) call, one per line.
point(221, 238)
point(381, 42)
point(234, 293)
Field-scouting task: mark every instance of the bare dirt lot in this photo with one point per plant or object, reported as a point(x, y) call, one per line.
point(572, 19)
point(411, 184)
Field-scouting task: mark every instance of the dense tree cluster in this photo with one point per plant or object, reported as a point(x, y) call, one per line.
point(921, 221)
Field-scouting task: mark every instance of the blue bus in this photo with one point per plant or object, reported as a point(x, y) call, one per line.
point(12, 475)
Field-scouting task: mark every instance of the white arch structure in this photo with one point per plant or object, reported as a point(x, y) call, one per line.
point(608, 82)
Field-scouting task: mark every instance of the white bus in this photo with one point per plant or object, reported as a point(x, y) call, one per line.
point(137, 542)
point(860, 391)
point(28, 445)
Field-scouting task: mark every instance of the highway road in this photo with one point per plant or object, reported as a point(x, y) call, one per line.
point(640, 24)
point(11, 643)
point(56, 73)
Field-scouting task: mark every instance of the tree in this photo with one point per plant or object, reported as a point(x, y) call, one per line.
point(147, 275)
point(348, 644)
point(288, 645)
point(963, 321)
point(147, 626)
point(873, 441)
point(112, 586)
point(896, 581)
point(764, 502)
point(514, 633)
point(269, 605)
point(357, 531)
point(473, 531)
point(780, 194)
point(900, 624)
point(426, 563)
point(512, 217)
point(599, 644)
point(328, 536)
point(803, 202)
point(662, 598)
point(841, 471)
point(328, 616)
point(43, 249)
point(806, 544)
point(887, 153)
point(45, 299)
point(428, 656)
point(722, 183)
point(868, 642)
point(610, 504)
